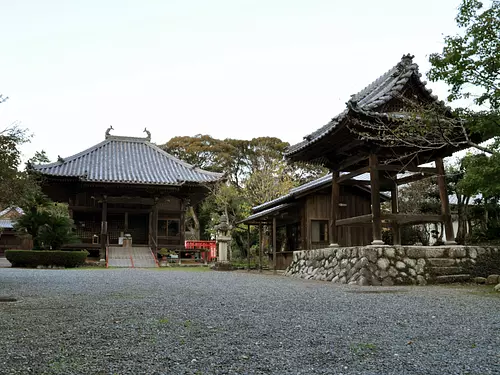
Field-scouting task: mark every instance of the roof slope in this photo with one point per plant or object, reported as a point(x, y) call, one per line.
point(308, 186)
point(379, 92)
point(127, 160)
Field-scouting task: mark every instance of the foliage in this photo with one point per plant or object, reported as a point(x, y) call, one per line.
point(33, 258)
point(470, 61)
point(48, 223)
point(255, 172)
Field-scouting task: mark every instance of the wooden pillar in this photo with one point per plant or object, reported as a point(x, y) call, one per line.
point(396, 230)
point(248, 246)
point(150, 231)
point(155, 224)
point(445, 204)
point(334, 233)
point(375, 189)
point(126, 222)
point(104, 228)
point(274, 245)
point(182, 224)
point(261, 247)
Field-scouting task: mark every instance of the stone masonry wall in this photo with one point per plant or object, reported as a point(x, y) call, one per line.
point(392, 265)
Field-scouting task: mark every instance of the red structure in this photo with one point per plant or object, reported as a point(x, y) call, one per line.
point(208, 256)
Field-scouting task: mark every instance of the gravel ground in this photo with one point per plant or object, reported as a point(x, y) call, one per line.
point(133, 321)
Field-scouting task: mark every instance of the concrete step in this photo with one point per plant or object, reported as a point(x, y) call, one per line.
point(136, 256)
point(441, 262)
point(446, 270)
point(452, 278)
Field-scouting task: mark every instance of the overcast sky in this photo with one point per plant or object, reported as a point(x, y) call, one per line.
point(228, 68)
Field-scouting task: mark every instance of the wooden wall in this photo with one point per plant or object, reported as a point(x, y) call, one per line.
point(353, 202)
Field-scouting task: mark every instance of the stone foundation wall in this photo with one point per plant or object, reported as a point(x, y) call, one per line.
point(392, 265)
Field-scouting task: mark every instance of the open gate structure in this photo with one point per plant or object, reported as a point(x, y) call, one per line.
point(356, 158)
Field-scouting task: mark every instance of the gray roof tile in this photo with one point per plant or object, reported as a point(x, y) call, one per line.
point(128, 160)
point(379, 92)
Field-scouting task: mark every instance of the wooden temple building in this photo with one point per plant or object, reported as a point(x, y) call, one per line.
point(126, 186)
point(343, 148)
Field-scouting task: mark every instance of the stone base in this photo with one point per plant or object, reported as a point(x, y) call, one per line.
point(222, 266)
point(394, 265)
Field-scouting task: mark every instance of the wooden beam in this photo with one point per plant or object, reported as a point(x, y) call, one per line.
point(412, 218)
point(274, 245)
point(350, 161)
point(408, 168)
point(375, 193)
point(131, 200)
point(363, 219)
point(409, 179)
point(334, 209)
point(445, 204)
point(353, 174)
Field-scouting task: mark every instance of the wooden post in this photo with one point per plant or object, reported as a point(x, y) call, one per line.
point(261, 247)
point(126, 222)
point(445, 204)
point(375, 188)
point(274, 245)
point(334, 241)
point(248, 246)
point(104, 228)
point(150, 231)
point(396, 231)
point(182, 223)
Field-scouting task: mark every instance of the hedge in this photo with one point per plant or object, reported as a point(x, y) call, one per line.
point(33, 258)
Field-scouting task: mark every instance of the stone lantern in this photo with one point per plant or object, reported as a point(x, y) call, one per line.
point(223, 238)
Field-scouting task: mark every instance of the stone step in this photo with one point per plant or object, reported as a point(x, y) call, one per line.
point(446, 270)
point(452, 278)
point(441, 262)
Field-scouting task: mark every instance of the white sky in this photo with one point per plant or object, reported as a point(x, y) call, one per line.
point(228, 68)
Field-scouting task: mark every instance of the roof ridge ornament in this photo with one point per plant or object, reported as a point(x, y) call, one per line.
point(148, 134)
point(108, 130)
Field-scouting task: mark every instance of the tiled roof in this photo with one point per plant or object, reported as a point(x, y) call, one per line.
point(264, 213)
point(311, 185)
point(127, 160)
point(6, 224)
point(18, 210)
point(379, 92)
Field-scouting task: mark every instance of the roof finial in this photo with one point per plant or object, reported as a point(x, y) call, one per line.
point(107, 131)
point(148, 133)
point(407, 59)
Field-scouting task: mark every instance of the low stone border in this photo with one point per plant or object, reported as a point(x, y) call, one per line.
point(390, 265)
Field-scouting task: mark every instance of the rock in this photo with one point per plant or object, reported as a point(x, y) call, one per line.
point(412, 272)
point(382, 274)
point(387, 282)
point(363, 281)
point(410, 262)
point(472, 253)
point(344, 263)
point(479, 280)
point(371, 254)
point(336, 279)
point(329, 277)
point(456, 252)
point(383, 263)
point(421, 280)
point(343, 280)
point(400, 265)
point(393, 272)
point(375, 281)
point(364, 262)
point(420, 266)
point(497, 288)
point(390, 252)
point(493, 279)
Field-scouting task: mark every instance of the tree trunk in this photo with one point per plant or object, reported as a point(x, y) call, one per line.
point(196, 222)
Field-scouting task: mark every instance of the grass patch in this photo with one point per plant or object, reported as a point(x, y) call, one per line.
point(363, 349)
point(378, 291)
point(164, 321)
point(475, 289)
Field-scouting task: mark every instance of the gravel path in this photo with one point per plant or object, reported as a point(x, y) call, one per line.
point(133, 321)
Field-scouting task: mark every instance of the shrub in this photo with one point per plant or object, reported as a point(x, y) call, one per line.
point(33, 258)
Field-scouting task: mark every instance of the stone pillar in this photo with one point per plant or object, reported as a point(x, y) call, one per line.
point(223, 239)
